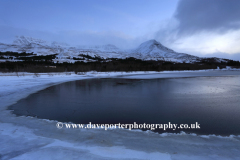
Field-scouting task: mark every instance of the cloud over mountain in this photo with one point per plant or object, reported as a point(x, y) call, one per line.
point(207, 15)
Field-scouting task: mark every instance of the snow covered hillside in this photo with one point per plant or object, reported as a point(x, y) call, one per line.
point(149, 50)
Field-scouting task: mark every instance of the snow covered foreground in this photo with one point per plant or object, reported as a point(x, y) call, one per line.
point(31, 138)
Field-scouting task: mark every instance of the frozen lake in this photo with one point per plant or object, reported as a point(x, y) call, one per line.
point(213, 102)
point(36, 138)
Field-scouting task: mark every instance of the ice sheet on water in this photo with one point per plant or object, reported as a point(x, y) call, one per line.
point(32, 138)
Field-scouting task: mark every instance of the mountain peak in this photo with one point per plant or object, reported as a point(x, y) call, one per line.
point(152, 48)
point(151, 42)
point(23, 40)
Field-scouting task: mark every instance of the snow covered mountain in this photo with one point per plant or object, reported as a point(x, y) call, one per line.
point(149, 50)
point(64, 52)
point(29, 45)
point(154, 50)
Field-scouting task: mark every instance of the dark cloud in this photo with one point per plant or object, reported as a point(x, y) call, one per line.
point(207, 15)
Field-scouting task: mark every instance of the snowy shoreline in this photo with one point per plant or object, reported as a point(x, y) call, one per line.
point(29, 137)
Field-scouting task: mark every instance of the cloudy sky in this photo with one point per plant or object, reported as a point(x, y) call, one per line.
point(198, 27)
